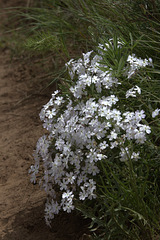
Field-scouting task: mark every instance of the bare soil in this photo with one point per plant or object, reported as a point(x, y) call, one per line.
point(21, 203)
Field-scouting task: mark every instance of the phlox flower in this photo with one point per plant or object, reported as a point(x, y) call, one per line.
point(51, 113)
point(113, 144)
point(155, 113)
point(68, 195)
point(54, 94)
point(135, 156)
point(56, 207)
point(132, 92)
point(33, 177)
point(86, 127)
point(113, 135)
point(68, 207)
point(145, 128)
point(83, 194)
point(67, 201)
point(82, 178)
point(49, 211)
point(58, 101)
point(103, 145)
point(86, 57)
point(140, 136)
point(137, 63)
point(70, 178)
point(63, 185)
point(124, 154)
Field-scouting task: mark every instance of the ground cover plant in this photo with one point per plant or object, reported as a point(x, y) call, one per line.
point(102, 148)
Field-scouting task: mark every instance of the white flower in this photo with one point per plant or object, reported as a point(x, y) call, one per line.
point(155, 113)
point(51, 113)
point(66, 148)
point(116, 115)
point(82, 178)
point(63, 185)
point(137, 63)
point(132, 92)
point(33, 178)
point(145, 128)
point(55, 93)
point(109, 101)
point(104, 112)
point(86, 57)
point(131, 58)
point(83, 195)
point(51, 209)
point(103, 145)
point(70, 178)
point(128, 116)
point(86, 128)
point(113, 144)
point(139, 115)
point(140, 137)
point(124, 154)
point(67, 195)
point(67, 201)
point(58, 100)
point(59, 144)
point(34, 169)
point(68, 207)
point(135, 156)
point(113, 135)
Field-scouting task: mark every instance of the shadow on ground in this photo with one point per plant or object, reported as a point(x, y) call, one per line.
point(30, 225)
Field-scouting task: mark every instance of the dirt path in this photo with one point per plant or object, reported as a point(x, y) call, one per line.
point(21, 203)
point(19, 130)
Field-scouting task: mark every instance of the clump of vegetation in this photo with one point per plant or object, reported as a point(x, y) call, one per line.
point(81, 23)
point(94, 157)
point(102, 146)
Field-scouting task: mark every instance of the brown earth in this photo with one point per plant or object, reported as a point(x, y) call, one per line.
point(21, 203)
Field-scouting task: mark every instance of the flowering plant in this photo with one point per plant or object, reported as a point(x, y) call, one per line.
point(95, 120)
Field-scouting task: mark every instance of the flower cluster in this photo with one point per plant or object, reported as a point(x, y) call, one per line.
point(137, 63)
point(83, 127)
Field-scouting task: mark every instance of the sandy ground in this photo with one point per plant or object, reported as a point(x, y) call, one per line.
point(21, 203)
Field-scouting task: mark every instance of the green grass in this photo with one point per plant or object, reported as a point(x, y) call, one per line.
point(67, 28)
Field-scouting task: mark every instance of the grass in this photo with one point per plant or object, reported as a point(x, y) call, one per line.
point(65, 29)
